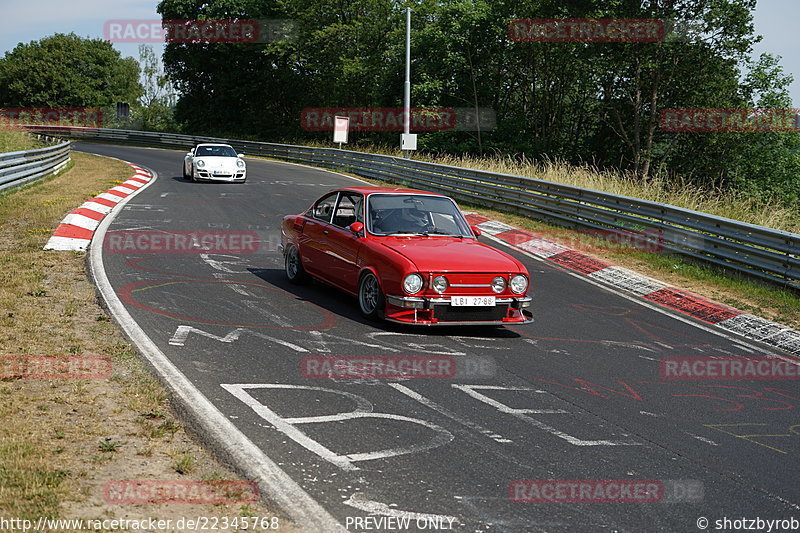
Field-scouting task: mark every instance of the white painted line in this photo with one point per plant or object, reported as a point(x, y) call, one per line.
point(446, 412)
point(542, 247)
point(377, 508)
point(67, 244)
point(272, 481)
point(703, 439)
point(110, 197)
point(81, 221)
point(493, 227)
point(522, 414)
point(94, 206)
point(628, 280)
point(748, 324)
point(123, 190)
point(363, 409)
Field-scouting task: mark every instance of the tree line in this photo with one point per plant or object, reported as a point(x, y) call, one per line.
point(596, 103)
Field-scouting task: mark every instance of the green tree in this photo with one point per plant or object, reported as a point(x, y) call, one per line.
point(157, 103)
point(67, 71)
point(594, 102)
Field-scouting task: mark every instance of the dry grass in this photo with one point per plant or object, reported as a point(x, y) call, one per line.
point(773, 214)
point(13, 140)
point(62, 440)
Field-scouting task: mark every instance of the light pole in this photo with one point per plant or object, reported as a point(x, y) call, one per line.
point(406, 141)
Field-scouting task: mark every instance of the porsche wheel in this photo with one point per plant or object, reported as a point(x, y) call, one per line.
point(185, 174)
point(370, 297)
point(294, 266)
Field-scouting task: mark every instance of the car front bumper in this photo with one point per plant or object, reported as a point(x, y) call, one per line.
point(239, 175)
point(428, 311)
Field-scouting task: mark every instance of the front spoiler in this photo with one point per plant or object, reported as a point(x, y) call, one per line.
point(427, 305)
point(221, 180)
point(422, 302)
point(528, 319)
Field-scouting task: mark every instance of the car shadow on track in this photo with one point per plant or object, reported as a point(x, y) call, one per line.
point(181, 179)
point(346, 307)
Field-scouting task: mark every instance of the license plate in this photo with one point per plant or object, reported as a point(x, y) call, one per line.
point(472, 301)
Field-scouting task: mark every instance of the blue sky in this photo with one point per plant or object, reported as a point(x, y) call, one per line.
point(26, 20)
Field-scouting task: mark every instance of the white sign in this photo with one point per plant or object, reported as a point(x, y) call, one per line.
point(341, 126)
point(408, 141)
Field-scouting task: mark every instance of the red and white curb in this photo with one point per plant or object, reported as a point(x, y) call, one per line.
point(698, 307)
point(76, 230)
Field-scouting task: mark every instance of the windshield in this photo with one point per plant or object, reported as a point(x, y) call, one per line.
point(414, 214)
point(215, 151)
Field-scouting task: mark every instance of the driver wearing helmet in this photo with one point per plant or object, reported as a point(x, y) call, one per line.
point(405, 220)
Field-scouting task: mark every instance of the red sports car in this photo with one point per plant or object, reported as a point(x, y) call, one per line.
point(409, 256)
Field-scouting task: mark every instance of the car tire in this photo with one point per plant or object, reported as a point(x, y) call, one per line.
point(293, 265)
point(185, 175)
point(371, 301)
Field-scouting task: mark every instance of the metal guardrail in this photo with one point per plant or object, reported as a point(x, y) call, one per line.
point(18, 168)
point(761, 252)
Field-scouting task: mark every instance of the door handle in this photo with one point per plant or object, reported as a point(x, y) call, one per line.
point(325, 232)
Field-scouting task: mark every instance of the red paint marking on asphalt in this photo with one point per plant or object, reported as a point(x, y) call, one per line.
point(693, 305)
point(579, 261)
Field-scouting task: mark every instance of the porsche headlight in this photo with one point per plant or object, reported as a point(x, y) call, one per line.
point(519, 284)
point(240, 163)
point(200, 163)
point(499, 284)
point(413, 283)
point(440, 284)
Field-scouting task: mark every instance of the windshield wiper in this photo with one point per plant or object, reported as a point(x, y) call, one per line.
point(444, 234)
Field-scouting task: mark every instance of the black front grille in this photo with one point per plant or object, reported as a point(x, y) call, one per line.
point(448, 313)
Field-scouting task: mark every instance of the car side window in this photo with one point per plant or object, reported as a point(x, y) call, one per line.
point(324, 208)
point(348, 210)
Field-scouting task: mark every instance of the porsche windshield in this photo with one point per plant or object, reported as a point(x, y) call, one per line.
point(414, 214)
point(215, 151)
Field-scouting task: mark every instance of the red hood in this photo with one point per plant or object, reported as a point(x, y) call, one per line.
point(448, 254)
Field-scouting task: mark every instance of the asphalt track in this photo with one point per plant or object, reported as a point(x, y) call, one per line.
point(577, 395)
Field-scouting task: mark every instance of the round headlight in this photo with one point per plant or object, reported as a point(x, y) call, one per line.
point(440, 284)
point(240, 163)
point(412, 283)
point(499, 284)
point(519, 284)
point(200, 163)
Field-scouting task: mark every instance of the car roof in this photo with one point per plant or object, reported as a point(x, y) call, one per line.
point(213, 144)
point(365, 190)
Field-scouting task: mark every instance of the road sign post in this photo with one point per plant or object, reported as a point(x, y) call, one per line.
point(341, 126)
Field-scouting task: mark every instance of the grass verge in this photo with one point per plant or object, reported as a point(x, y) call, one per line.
point(12, 140)
point(64, 440)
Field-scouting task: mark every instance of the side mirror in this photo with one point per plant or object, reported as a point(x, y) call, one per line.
point(240, 155)
point(476, 230)
point(189, 154)
point(356, 228)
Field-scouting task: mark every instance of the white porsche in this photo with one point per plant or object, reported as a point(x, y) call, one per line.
point(214, 162)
